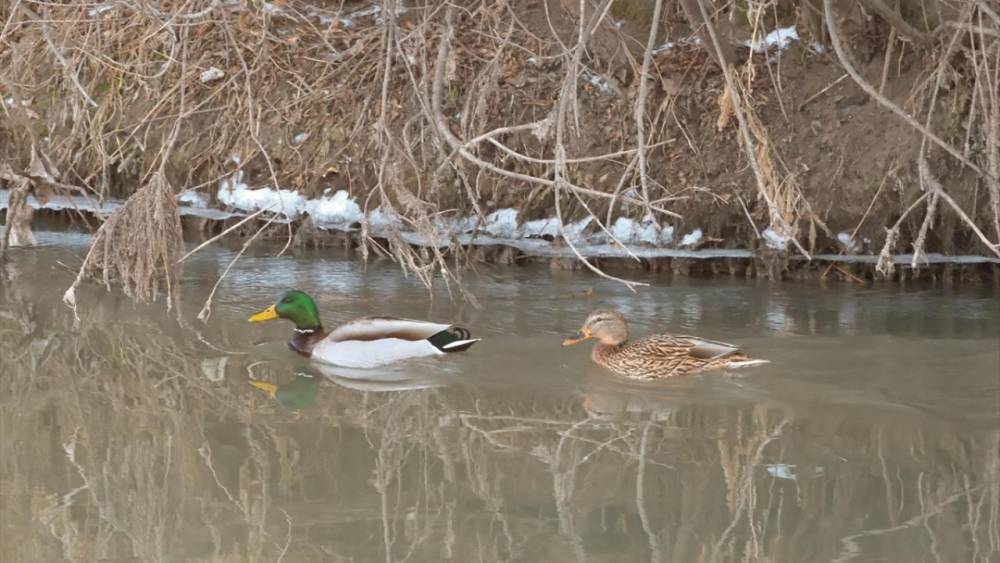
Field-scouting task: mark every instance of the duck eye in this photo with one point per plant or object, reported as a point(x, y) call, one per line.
point(286, 300)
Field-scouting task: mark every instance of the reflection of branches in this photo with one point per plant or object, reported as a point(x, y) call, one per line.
point(563, 481)
point(521, 428)
point(744, 486)
point(455, 472)
point(850, 543)
point(640, 497)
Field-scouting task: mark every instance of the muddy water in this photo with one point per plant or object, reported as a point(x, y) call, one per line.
point(873, 436)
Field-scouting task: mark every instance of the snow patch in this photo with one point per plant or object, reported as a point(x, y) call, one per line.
point(193, 198)
point(539, 228)
point(235, 193)
point(337, 210)
point(211, 75)
point(549, 227)
point(99, 9)
point(692, 238)
point(273, 9)
point(629, 231)
point(774, 240)
point(379, 220)
point(600, 83)
point(502, 223)
point(849, 244)
point(574, 231)
point(462, 229)
point(347, 20)
point(692, 41)
point(455, 225)
point(779, 38)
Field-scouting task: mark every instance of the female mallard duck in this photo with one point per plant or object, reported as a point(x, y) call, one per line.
point(362, 343)
point(656, 356)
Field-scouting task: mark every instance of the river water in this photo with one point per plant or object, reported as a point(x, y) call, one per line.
point(874, 434)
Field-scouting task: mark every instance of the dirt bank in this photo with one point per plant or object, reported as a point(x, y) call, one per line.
point(435, 116)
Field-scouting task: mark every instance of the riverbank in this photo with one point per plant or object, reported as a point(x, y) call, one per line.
point(483, 245)
point(514, 129)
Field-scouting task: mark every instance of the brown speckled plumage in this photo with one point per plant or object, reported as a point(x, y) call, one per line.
point(657, 356)
point(662, 355)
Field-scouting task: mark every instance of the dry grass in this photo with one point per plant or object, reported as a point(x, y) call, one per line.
point(138, 248)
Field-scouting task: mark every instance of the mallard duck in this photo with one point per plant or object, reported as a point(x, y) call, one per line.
point(656, 356)
point(362, 343)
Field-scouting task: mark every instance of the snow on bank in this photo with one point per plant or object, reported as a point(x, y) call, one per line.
point(338, 211)
point(692, 238)
point(600, 82)
point(646, 231)
point(502, 223)
point(774, 240)
point(193, 198)
point(105, 208)
point(237, 194)
point(850, 245)
point(779, 39)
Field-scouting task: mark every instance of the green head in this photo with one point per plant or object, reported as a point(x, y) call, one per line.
point(295, 306)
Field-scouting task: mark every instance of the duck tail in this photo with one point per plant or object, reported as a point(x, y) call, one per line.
point(454, 339)
point(747, 363)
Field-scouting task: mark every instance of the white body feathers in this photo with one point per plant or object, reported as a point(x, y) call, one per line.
point(371, 353)
point(376, 341)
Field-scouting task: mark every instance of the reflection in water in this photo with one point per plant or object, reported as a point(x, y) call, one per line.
point(301, 391)
point(874, 435)
point(297, 394)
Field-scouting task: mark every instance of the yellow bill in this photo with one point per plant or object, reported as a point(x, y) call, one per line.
point(269, 388)
point(580, 336)
point(268, 314)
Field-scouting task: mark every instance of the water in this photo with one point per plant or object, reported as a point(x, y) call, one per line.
point(874, 435)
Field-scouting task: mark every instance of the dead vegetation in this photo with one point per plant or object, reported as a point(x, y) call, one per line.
point(433, 110)
point(138, 247)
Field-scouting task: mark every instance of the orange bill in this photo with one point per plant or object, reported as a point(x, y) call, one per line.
point(580, 336)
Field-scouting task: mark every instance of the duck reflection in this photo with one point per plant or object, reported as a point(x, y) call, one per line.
point(382, 380)
point(301, 391)
point(297, 394)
